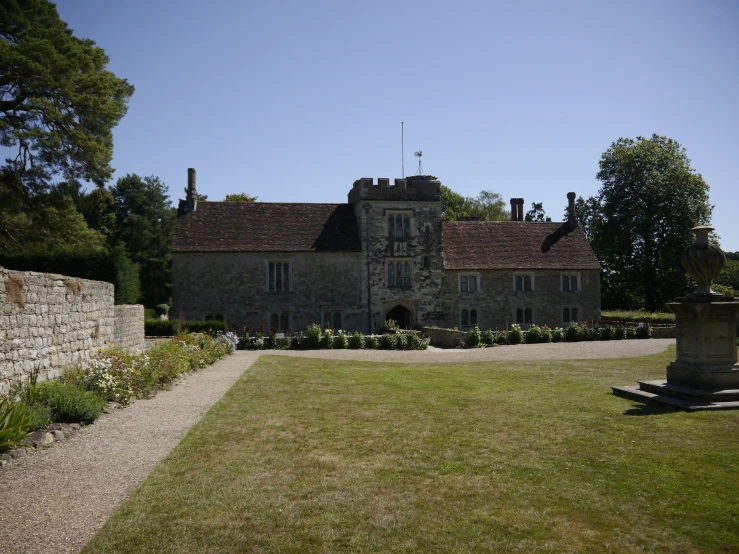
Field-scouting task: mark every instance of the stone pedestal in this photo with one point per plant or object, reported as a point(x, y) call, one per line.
point(705, 373)
point(706, 346)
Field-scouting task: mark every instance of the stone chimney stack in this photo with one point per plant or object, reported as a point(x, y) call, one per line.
point(571, 216)
point(191, 199)
point(519, 212)
point(514, 209)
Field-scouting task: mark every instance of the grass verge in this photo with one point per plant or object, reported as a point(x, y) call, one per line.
point(320, 456)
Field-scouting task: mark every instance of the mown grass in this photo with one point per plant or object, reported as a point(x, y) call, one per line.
point(319, 456)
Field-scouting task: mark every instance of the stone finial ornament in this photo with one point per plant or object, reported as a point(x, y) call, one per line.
point(703, 260)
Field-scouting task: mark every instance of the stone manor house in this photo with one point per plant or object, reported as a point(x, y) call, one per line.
point(385, 254)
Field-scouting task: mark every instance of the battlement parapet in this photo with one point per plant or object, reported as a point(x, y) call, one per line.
point(419, 188)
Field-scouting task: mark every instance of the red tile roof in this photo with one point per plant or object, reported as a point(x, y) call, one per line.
point(515, 245)
point(266, 227)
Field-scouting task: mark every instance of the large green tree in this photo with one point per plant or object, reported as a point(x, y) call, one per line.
point(145, 224)
point(639, 223)
point(486, 206)
point(58, 102)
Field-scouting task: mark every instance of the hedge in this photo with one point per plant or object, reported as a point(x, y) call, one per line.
point(166, 327)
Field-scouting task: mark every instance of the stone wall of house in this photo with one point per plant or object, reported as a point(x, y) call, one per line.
point(497, 301)
point(48, 321)
point(234, 287)
point(374, 205)
point(128, 328)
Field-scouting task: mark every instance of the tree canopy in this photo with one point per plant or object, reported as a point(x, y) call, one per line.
point(486, 206)
point(58, 102)
point(537, 213)
point(239, 197)
point(145, 224)
point(640, 221)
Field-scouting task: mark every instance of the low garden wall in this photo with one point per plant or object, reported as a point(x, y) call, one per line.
point(445, 338)
point(48, 321)
point(128, 328)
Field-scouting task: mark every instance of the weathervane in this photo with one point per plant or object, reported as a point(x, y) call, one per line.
point(418, 155)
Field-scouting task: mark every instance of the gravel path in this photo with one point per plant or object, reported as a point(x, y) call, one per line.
point(55, 500)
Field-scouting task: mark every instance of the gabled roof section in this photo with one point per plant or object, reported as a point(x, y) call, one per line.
point(471, 245)
point(267, 227)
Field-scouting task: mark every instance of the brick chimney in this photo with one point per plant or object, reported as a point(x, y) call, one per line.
point(514, 217)
point(571, 216)
point(519, 212)
point(191, 199)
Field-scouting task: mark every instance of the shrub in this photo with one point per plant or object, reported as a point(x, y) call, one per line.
point(313, 336)
point(558, 335)
point(487, 337)
point(356, 341)
point(546, 334)
point(15, 422)
point(341, 340)
point(69, 404)
point(158, 328)
point(401, 341)
point(161, 309)
point(533, 335)
point(371, 341)
point(414, 340)
point(592, 333)
point(501, 337)
point(574, 332)
point(630, 333)
point(211, 326)
point(619, 332)
point(644, 331)
point(110, 375)
point(327, 339)
point(387, 341)
point(635, 316)
point(606, 332)
point(515, 336)
point(474, 336)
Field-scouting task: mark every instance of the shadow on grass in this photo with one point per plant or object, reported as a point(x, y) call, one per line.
point(650, 409)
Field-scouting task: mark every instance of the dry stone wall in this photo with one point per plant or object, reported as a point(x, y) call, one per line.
point(48, 321)
point(128, 328)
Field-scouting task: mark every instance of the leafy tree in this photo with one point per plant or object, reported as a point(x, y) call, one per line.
point(639, 223)
point(146, 226)
point(537, 213)
point(486, 206)
point(729, 275)
point(58, 102)
point(239, 197)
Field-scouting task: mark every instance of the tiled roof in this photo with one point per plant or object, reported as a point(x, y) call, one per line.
point(515, 245)
point(266, 227)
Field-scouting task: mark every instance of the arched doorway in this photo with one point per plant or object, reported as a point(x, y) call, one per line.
point(402, 316)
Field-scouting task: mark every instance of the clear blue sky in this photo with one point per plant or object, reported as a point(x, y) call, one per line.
point(293, 101)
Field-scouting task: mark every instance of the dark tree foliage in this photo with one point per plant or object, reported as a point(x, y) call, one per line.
point(145, 224)
point(58, 103)
point(537, 213)
point(640, 222)
point(486, 206)
point(239, 197)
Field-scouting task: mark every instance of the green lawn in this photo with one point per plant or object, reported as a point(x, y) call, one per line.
point(317, 456)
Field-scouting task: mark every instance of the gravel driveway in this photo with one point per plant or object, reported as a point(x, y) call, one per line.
point(56, 500)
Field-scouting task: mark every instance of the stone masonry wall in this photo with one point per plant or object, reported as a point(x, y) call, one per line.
point(496, 299)
point(48, 321)
point(234, 287)
point(128, 328)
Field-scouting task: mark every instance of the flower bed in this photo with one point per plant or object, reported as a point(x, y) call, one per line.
point(82, 392)
point(574, 332)
point(314, 338)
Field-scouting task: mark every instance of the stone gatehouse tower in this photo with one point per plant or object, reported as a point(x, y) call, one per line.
point(385, 254)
